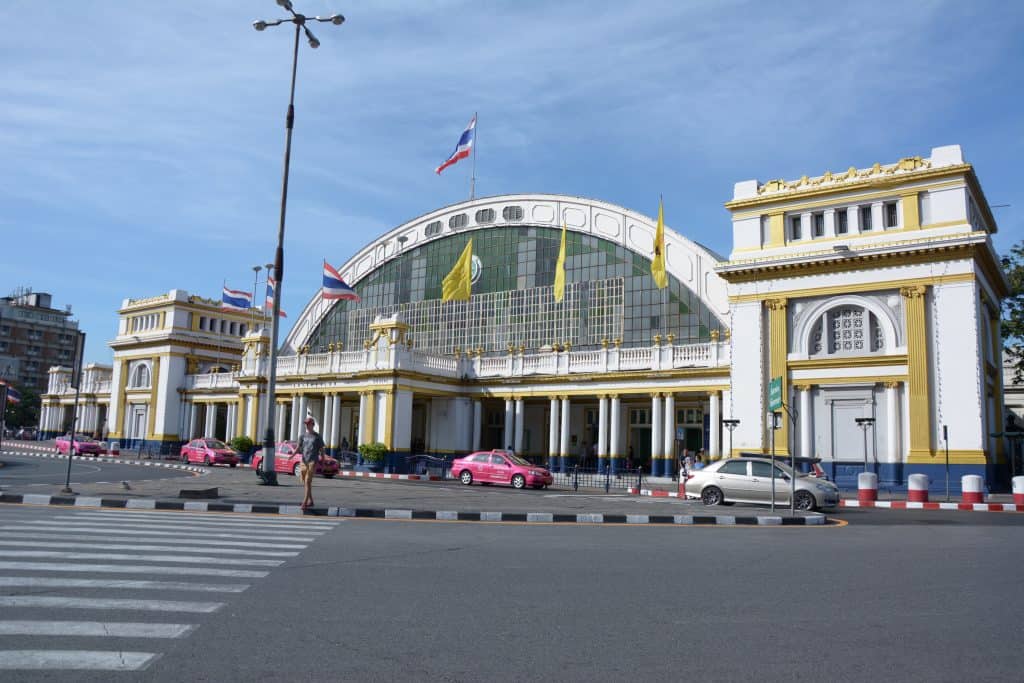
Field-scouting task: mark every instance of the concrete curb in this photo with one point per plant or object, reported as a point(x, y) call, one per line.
point(401, 514)
point(116, 461)
point(910, 505)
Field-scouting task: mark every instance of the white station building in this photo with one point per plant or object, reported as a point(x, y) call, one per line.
point(867, 293)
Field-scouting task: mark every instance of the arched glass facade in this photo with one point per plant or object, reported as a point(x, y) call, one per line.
point(609, 295)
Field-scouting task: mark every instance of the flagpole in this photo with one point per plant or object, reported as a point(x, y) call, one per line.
point(472, 179)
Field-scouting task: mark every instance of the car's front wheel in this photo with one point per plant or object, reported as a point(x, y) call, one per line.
point(295, 470)
point(466, 477)
point(805, 501)
point(206, 460)
point(712, 495)
point(518, 481)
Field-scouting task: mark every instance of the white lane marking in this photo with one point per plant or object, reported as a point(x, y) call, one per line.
point(74, 660)
point(212, 516)
point(143, 531)
point(184, 523)
point(183, 559)
point(132, 569)
point(125, 584)
point(183, 520)
point(105, 629)
point(75, 602)
point(184, 540)
point(38, 543)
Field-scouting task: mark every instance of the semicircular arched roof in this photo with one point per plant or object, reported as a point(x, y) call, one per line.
point(690, 263)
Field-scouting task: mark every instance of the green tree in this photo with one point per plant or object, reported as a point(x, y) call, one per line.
point(25, 413)
point(1013, 310)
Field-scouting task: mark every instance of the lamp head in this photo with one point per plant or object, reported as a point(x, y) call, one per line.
point(287, 4)
point(337, 20)
point(259, 25)
point(313, 42)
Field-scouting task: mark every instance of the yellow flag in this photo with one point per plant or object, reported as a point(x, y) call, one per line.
point(658, 262)
point(457, 284)
point(560, 269)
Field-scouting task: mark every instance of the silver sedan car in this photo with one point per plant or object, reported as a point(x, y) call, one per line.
point(749, 480)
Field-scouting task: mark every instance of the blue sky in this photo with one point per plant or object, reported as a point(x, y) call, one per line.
point(141, 143)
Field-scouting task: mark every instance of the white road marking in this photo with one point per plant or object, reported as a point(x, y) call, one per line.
point(183, 525)
point(171, 540)
point(74, 660)
point(190, 520)
point(131, 569)
point(122, 584)
point(104, 629)
point(142, 531)
point(184, 559)
point(37, 543)
point(74, 602)
point(210, 516)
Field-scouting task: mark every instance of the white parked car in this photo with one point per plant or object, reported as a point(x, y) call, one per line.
point(749, 480)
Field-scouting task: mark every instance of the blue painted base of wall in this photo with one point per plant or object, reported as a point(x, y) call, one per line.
point(151, 446)
point(892, 477)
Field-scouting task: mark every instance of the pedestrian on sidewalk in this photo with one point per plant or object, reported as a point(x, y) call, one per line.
point(312, 448)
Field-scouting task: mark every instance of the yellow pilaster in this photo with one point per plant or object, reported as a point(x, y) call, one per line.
point(997, 355)
point(240, 416)
point(154, 394)
point(779, 349)
point(911, 212)
point(776, 229)
point(368, 420)
point(254, 427)
point(917, 372)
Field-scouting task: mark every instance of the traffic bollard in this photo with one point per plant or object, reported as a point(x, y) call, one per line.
point(973, 487)
point(917, 488)
point(1018, 490)
point(867, 487)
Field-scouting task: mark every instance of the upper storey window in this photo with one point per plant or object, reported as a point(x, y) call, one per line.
point(865, 218)
point(842, 226)
point(512, 213)
point(891, 214)
point(457, 221)
point(485, 216)
point(847, 330)
point(433, 228)
point(140, 377)
point(795, 229)
point(819, 224)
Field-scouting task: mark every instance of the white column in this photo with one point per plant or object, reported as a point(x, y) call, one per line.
point(510, 419)
point(563, 437)
point(669, 418)
point(293, 432)
point(657, 433)
point(336, 434)
point(211, 419)
point(892, 423)
point(327, 425)
point(714, 425)
point(830, 222)
point(602, 427)
point(519, 426)
point(227, 421)
point(250, 417)
point(303, 408)
point(362, 438)
point(852, 219)
point(477, 424)
point(193, 420)
point(806, 420)
point(281, 433)
point(553, 429)
point(614, 423)
point(876, 216)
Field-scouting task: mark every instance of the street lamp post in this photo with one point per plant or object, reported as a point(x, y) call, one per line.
point(865, 423)
point(731, 425)
point(267, 474)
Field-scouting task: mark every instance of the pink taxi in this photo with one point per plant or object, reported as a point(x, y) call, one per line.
point(209, 452)
point(287, 459)
point(500, 467)
point(80, 445)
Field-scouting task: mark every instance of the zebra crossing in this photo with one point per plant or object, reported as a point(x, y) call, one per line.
point(137, 578)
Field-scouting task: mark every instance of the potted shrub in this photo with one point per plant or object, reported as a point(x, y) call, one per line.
point(244, 446)
point(372, 455)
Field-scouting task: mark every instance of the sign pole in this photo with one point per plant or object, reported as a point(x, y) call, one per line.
point(945, 437)
point(774, 423)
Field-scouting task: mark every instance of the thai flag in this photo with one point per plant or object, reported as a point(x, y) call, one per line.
point(13, 395)
point(235, 300)
point(464, 147)
point(335, 287)
point(268, 305)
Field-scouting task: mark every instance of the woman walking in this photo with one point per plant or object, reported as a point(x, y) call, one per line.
point(312, 447)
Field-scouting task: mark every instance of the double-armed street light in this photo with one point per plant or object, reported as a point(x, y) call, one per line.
point(267, 474)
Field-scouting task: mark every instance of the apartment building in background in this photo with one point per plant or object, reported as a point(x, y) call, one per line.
point(33, 337)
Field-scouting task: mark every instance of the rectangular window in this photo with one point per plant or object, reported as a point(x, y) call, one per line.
point(865, 218)
point(794, 228)
point(819, 225)
point(841, 225)
point(890, 214)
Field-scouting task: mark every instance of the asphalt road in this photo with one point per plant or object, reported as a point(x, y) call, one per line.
point(380, 601)
point(25, 471)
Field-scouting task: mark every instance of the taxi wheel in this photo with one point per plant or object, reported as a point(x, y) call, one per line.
point(712, 495)
point(295, 470)
point(206, 460)
point(805, 501)
point(234, 464)
point(518, 481)
point(466, 477)
point(328, 476)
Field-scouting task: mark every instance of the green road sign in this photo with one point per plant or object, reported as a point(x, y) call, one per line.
point(775, 394)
